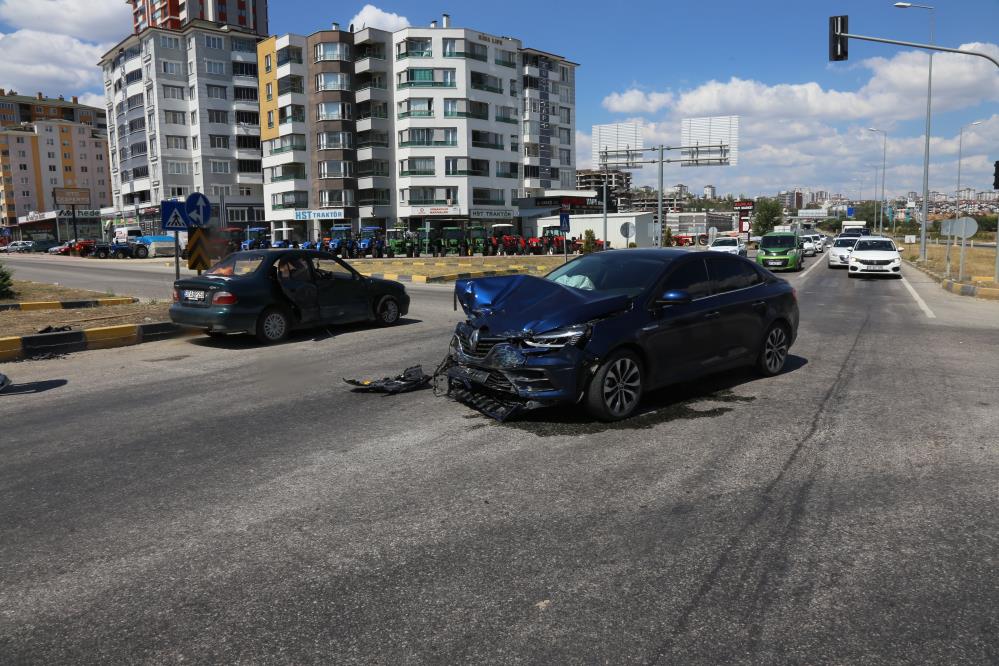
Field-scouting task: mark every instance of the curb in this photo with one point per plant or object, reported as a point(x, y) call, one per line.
point(67, 305)
point(959, 288)
point(67, 342)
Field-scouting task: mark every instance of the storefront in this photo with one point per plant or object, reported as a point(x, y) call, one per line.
point(58, 225)
point(308, 225)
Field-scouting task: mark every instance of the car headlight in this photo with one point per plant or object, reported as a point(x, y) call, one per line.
point(561, 337)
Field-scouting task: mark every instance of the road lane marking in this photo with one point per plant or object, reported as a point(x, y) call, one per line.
point(919, 300)
point(809, 270)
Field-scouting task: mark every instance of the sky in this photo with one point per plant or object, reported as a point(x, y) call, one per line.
point(804, 121)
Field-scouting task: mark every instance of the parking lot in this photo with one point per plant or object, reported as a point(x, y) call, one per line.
point(213, 500)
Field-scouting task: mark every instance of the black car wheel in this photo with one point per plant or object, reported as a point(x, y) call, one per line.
point(119, 255)
point(142, 252)
point(102, 254)
point(616, 388)
point(272, 326)
point(388, 311)
point(774, 353)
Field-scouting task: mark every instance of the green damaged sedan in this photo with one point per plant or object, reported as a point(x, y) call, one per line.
point(781, 251)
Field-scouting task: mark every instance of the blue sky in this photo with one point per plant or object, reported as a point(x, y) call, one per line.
point(804, 120)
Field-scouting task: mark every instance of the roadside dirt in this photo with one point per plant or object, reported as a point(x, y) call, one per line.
point(15, 322)
point(38, 291)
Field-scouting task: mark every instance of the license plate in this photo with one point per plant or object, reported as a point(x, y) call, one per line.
point(194, 295)
point(774, 263)
point(875, 268)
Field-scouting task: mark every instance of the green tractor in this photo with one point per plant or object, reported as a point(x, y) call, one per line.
point(479, 238)
point(401, 243)
point(455, 241)
point(429, 242)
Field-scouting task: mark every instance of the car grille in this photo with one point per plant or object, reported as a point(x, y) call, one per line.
point(481, 349)
point(875, 262)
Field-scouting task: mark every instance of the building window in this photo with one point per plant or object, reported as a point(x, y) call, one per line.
point(332, 81)
point(244, 69)
point(334, 141)
point(171, 67)
point(244, 94)
point(248, 166)
point(170, 92)
point(333, 111)
point(247, 118)
point(336, 169)
point(270, 91)
point(218, 92)
point(267, 63)
point(169, 42)
point(217, 116)
point(176, 142)
point(270, 118)
point(333, 51)
point(194, 117)
point(214, 67)
point(219, 166)
point(336, 198)
point(194, 142)
point(178, 168)
point(218, 141)
point(214, 42)
point(245, 191)
point(173, 117)
point(245, 142)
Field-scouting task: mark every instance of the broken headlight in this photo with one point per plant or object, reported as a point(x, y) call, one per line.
point(561, 337)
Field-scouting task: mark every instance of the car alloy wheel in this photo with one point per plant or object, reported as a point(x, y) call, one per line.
point(273, 326)
point(388, 311)
point(775, 350)
point(622, 387)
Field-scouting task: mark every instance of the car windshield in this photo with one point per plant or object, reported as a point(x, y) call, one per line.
point(771, 242)
point(610, 272)
point(845, 242)
point(875, 245)
point(236, 265)
point(724, 241)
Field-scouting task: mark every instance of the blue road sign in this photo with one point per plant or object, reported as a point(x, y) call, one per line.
point(199, 210)
point(849, 211)
point(173, 215)
point(563, 222)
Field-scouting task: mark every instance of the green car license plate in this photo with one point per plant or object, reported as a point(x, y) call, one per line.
point(194, 295)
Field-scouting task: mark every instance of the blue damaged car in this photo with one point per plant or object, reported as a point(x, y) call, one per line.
point(605, 328)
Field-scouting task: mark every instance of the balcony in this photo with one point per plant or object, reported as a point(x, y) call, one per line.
point(488, 202)
point(466, 54)
point(506, 63)
point(503, 119)
point(415, 114)
point(417, 172)
point(289, 205)
point(374, 202)
point(291, 119)
point(286, 149)
point(469, 172)
point(283, 177)
point(485, 144)
point(365, 115)
point(486, 87)
point(414, 54)
point(418, 142)
point(373, 143)
point(466, 114)
point(374, 173)
point(428, 202)
point(426, 84)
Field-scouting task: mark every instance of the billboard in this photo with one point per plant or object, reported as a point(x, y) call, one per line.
point(706, 132)
point(71, 196)
point(616, 137)
point(813, 213)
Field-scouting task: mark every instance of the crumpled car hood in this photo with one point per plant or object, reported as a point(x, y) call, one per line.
point(528, 303)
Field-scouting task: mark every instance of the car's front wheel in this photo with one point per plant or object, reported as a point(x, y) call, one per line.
point(272, 326)
point(616, 388)
point(774, 353)
point(388, 311)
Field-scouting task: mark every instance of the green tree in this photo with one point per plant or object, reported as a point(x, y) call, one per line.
point(766, 214)
point(6, 283)
point(589, 242)
point(668, 238)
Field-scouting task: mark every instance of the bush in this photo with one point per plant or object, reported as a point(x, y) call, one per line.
point(668, 238)
point(6, 283)
point(589, 242)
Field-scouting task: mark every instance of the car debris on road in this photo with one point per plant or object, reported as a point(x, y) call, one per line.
point(411, 379)
point(4, 382)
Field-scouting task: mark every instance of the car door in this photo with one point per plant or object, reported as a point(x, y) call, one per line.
point(679, 339)
point(343, 293)
point(294, 275)
point(739, 294)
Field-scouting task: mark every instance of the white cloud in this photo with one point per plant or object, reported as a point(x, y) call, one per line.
point(584, 157)
point(52, 64)
point(92, 99)
point(634, 100)
point(98, 20)
point(373, 17)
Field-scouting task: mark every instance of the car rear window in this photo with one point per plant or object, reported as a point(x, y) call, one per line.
point(236, 265)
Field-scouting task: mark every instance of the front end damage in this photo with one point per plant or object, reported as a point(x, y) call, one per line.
point(521, 347)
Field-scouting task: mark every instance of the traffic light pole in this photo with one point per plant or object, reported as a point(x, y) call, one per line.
point(837, 51)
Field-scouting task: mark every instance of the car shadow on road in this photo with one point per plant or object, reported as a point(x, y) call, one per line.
point(240, 341)
point(702, 398)
point(33, 387)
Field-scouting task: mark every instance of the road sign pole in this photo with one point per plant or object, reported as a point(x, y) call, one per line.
point(176, 255)
point(76, 236)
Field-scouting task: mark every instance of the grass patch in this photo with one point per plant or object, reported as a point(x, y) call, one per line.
point(38, 291)
point(978, 261)
point(15, 322)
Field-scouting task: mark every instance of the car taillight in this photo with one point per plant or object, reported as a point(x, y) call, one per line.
point(176, 296)
point(223, 298)
point(794, 294)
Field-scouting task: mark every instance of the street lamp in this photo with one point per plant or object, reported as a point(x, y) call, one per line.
point(957, 208)
point(926, 149)
point(884, 157)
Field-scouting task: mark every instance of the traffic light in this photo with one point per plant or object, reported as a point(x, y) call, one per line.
point(995, 178)
point(838, 25)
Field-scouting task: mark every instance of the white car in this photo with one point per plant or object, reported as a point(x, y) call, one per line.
point(729, 245)
point(873, 255)
point(839, 253)
point(820, 242)
point(20, 246)
point(808, 246)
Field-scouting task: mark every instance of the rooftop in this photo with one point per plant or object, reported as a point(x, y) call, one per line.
point(39, 98)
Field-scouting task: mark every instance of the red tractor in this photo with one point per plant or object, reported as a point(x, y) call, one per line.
point(551, 241)
point(684, 240)
point(504, 241)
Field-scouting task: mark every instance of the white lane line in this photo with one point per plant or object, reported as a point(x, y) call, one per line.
point(919, 300)
point(809, 270)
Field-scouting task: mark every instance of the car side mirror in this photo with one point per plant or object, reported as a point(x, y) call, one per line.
point(674, 297)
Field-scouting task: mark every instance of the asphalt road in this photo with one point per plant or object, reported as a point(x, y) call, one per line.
point(209, 501)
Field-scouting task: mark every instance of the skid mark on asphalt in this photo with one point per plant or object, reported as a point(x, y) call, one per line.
point(761, 548)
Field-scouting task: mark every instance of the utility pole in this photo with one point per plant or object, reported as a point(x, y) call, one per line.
point(661, 221)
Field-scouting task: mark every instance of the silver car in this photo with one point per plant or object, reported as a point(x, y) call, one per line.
point(728, 245)
point(839, 253)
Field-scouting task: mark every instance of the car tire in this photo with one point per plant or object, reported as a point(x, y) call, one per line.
point(387, 313)
point(615, 391)
point(273, 325)
point(773, 351)
point(142, 252)
point(102, 254)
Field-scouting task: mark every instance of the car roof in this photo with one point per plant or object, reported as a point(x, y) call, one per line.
point(780, 233)
point(875, 238)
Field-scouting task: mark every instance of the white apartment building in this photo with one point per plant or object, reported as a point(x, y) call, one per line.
point(183, 117)
point(710, 192)
point(438, 126)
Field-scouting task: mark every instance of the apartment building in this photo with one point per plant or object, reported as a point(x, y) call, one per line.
point(16, 109)
point(38, 157)
point(593, 179)
point(247, 15)
point(423, 126)
point(710, 192)
point(185, 112)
